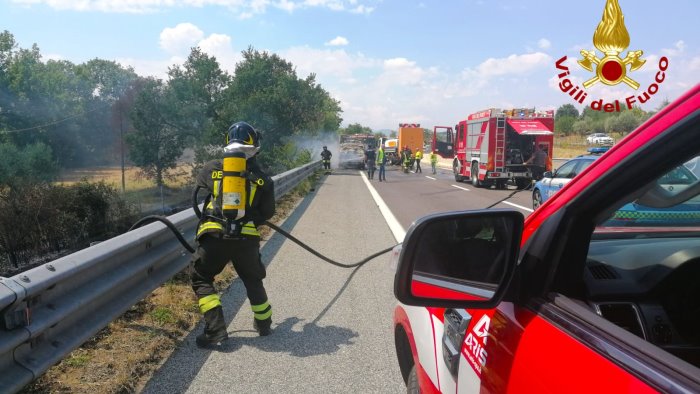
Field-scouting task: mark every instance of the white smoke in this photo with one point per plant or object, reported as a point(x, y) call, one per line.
point(315, 144)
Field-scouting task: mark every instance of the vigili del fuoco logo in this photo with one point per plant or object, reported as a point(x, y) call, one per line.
point(612, 39)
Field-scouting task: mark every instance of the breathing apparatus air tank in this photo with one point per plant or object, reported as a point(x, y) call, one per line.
point(233, 193)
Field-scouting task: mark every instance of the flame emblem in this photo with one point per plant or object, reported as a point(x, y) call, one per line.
point(611, 38)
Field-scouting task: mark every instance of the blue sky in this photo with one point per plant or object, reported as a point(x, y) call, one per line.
point(386, 61)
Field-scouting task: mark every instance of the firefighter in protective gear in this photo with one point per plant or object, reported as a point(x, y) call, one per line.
point(217, 244)
point(326, 156)
point(406, 159)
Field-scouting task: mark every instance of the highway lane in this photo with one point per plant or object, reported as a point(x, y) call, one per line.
point(411, 196)
point(332, 327)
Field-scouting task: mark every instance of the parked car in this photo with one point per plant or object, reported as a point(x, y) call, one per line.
point(600, 139)
point(565, 300)
point(552, 182)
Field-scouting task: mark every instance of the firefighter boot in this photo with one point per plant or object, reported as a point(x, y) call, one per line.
point(263, 327)
point(214, 328)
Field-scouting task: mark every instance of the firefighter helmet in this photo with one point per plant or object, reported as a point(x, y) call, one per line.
point(243, 133)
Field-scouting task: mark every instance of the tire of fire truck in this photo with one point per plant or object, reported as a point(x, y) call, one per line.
point(474, 175)
point(457, 170)
point(412, 386)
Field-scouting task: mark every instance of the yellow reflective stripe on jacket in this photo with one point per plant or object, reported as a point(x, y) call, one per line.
point(215, 192)
point(209, 226)
point(262, 311)
point(249, 228)
point(209, 302)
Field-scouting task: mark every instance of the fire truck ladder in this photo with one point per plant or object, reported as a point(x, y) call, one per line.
point(500, 143)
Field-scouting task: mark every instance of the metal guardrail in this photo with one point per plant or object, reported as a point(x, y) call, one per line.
point(52, 309)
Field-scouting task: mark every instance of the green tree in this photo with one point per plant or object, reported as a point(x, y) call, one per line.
point(121, 121)
point(566, 110)
point(355, 128)
point(197, 90)
point(154, 145)
point(582, 126)
point(625, 122)
point(267, 93)
point(31, 164)
point(564, 124)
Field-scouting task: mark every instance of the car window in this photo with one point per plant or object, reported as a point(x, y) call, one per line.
point(678, 176)
point(567, 170)
point(583, 164)
point(663, 211)
point(644, 278)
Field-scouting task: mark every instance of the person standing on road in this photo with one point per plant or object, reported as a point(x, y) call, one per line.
point(381, 161)
point(433, 161)
point(326, 156)
point(406, 158)
point(419, 157)
point(538, 160)
point(216, 247)
point(370, 159)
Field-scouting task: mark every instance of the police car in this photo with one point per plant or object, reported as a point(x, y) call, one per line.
point(552, 182)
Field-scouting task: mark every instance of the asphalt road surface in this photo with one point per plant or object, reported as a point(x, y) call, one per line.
point(332, 327)
point(411, 196)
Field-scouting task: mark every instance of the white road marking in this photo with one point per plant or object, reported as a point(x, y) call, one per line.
point(518, 206)
point(429, 177)
point(460, 187)
point(394, 225)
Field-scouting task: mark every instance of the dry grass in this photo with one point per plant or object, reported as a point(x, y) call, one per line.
point(140, 191)
point(133, 177)
point(573, 145)
point(122, 357)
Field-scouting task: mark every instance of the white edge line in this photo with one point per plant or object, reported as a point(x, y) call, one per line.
point(429, 177)
point(394, 225)
point(460, 187)
point(518, 206)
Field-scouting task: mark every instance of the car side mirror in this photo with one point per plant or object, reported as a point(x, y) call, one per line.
point(462, 259)
point(548, 174)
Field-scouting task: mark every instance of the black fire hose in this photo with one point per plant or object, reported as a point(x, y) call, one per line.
point(324, 258)
point(153, 218)
point(171, 226)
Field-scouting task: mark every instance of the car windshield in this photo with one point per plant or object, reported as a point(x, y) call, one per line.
point(671, 203)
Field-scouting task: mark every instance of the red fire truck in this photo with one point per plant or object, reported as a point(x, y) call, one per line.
point(491, 147)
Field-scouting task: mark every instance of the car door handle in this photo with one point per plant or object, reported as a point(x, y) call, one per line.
point(560, 185)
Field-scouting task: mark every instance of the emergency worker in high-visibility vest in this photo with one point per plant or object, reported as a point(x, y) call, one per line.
point(381, 162)
point(216, 247)
point(419, 157)
point(433, 161)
